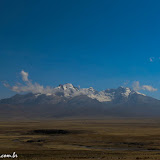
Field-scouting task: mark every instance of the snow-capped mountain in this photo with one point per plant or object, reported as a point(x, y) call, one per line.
point(68, 91)
point(67, 100)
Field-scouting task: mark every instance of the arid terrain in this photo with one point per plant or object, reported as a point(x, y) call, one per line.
point(82, 139)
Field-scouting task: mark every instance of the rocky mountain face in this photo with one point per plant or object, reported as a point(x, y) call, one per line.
point(67, 100)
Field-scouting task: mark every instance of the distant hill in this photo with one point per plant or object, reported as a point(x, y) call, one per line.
point(69, 101)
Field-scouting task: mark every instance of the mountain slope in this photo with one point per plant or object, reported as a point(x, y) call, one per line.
point(67, 100)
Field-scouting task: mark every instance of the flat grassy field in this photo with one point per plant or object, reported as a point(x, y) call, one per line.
point(85, 139)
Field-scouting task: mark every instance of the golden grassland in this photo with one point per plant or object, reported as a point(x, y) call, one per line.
point(84, 139)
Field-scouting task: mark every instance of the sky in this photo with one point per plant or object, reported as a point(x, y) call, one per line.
point(89, 43)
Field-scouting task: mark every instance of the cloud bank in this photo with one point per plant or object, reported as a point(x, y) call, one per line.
point(28, 86)
point(136, 86)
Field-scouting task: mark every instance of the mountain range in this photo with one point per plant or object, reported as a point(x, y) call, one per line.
point(69, 101)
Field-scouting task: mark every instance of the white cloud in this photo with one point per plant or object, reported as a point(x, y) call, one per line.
point(28, 86)
point(24, 76)
point(149, 88)
point(136, 86)
point(151, 59)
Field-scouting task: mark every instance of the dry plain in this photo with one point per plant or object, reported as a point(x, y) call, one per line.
point(82, 139)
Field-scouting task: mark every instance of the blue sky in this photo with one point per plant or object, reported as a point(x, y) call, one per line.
point(102, 44)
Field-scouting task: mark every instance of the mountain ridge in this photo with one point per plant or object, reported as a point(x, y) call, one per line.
point(67, 100)
point(68, 90)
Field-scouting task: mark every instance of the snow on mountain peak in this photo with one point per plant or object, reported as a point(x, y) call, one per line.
point(127, 92)
point(68, 90)
point(67, 86)
point(140, 93)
